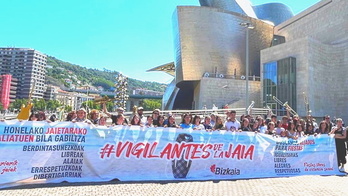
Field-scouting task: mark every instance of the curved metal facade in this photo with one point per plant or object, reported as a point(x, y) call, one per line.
point(274, 12)
point(231, 6)
point(210, 40)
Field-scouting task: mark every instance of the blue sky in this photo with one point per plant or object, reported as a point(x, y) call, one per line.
point(130, 36)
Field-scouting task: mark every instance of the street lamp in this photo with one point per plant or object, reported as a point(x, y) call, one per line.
point(121, 95)
point(247, 26)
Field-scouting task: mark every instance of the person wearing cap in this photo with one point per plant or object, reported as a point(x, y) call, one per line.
point(81, 116)
point(120, 110)
point(155, 115)
point(143, 119)
point(113, 117)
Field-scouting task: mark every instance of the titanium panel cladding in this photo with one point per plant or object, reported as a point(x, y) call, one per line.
point(212, 40)
point(274, 12)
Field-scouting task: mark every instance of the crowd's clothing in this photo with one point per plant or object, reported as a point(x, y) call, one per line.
point(309, 132)
point(155, 122)
point(232, 125)
point(271, 132)
point(218, 127)
point(279, 130)
point(294, 134)
point(170, 125)
point(208, 126)
point(246, 129)
point(82, 120)
point(143, 119)
point(114, 119)
point(186, 126)
point(263, 129)
point(285, 126)
point(212, 122)
point(198, 127)
point(321, 131)
point(95, 121)
point(149, 125)
point(340, 147)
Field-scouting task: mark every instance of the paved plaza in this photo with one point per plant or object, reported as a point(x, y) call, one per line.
point(301, 185)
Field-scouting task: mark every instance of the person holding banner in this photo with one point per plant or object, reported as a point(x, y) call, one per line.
point(279, 127)
point(245, 125)
point(160, 122)
point(271, 128)
point(292, 133)
point(309, 129)
point(33, 117)
point(186, 121)
point(323, 128)
point(71, 115)
point(102, 120)
point(119, 119)
point(255, 126)
point(94, 116)
point(207, 123)
point(340, 136)
point(81, 116)
point(155, 115)
point(197, 125)
point(149, 122)
point(171, 122)
point(232, 124)
point(219, 125)
point(136, 120)
point(300, 130)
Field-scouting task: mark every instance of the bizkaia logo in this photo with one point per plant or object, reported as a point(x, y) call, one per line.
point(224, 171)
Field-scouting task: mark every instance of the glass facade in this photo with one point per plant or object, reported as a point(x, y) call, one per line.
point(280, 80)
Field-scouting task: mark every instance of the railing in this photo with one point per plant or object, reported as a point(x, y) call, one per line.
point(178, 113)
point(237, 77)
point(202, 113)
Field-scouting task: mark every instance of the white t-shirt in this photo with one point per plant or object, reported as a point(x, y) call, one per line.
point(279, 130)
point(232, 126)
point(263, 129)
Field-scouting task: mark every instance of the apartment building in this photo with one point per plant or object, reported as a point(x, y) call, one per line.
point(28, 66)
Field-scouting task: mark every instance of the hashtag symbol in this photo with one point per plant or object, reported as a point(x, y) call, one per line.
point(108, 149)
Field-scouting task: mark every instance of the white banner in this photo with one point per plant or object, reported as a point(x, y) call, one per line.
point(39, 152)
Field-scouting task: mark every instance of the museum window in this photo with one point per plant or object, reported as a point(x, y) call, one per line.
point(280, 80)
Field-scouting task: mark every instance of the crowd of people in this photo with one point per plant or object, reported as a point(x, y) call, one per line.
point(288, 126)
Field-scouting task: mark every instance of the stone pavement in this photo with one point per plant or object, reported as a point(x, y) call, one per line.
point(301, 185)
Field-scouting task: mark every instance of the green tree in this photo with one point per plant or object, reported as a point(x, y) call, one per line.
point(39, 105)
point(106, 84)
point(17, 104)
point(52, 105)
point(110, 106)
point(67, 108)
point(151, 104)
point(91, 105)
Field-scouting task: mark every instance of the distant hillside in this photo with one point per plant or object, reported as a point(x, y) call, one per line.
point(68, 75)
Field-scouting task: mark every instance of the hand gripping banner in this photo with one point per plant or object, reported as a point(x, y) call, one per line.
point(40, 152)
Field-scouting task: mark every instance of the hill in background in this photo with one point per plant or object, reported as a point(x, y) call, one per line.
point(64, 74)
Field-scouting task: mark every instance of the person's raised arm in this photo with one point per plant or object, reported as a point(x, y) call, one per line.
point(105, 110)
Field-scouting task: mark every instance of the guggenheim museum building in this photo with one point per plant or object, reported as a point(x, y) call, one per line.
point(229, 52)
